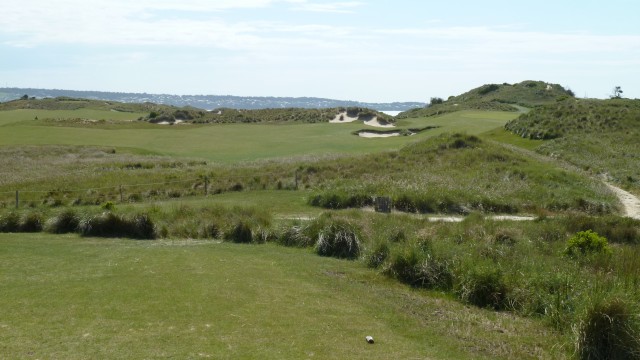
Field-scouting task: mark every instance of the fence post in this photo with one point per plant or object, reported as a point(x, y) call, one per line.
point(17, 199)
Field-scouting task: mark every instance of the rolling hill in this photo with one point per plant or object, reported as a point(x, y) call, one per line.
point(504, 97)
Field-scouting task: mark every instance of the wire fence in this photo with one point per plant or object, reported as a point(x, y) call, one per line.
point(134, 192)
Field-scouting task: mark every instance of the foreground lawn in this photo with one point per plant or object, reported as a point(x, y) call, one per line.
point(72, 298)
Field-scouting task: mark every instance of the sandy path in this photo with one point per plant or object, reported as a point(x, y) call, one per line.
point(630, 202)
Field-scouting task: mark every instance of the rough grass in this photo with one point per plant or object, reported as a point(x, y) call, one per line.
point(599, 136)
point(496, 97)
point(65, 297)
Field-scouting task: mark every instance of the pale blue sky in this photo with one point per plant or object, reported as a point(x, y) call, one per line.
point(353, 50)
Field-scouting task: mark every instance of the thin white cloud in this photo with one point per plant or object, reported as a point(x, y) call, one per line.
point(333, 7)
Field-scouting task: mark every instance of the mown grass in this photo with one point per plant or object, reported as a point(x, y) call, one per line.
point(71, 298)
point(228, 143)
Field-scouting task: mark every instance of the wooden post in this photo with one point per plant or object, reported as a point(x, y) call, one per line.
point(17, 199)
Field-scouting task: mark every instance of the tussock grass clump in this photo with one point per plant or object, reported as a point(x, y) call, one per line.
point(339, 239)
point(417, 266)
point(377, 255)
point(109, 224)
point(10, 222)
point(65, 222)
point(609, 330)
point(483, 286)
point(240, 233)
point(295, 236)
point(31, 222)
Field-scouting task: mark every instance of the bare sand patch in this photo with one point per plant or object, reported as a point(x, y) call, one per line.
point(343, 117)
point(371, 134)
point(376, 123)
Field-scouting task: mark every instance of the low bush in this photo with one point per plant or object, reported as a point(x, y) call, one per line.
point(338, 239)
point(586, 243)
point(609, 330)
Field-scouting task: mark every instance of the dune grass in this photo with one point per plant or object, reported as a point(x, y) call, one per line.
point(63, 297)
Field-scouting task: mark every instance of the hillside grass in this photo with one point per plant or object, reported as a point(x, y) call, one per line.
point(496, 97)
point(64, 297)
point(598, 136)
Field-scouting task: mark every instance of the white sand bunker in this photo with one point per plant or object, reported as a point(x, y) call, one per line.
point(344, 117)
point(376, 123)
point(170, 123)
point(371, 134)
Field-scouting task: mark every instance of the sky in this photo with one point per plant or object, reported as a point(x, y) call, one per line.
point(374, 51)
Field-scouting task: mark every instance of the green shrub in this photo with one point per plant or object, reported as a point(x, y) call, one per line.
point(338, 239)
point(239, 233)
point(609, 330)
point(10, 222)
point(65, 222)
point(586, 243)
point(483, 286)
point(108, 206)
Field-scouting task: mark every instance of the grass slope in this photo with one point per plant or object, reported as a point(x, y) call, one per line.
point(600, 136)
point(68, 298)
point(505, 97)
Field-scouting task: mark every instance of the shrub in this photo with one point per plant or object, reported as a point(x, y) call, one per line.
point(10, 222)
point(239, 233)
point(608, 331)
point(338, 239)
point(31, 222)
point(483, 286)
point(65, 222)
point(108, 206)
point(586, 243)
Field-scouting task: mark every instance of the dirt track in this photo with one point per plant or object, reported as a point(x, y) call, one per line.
point(630, 202)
